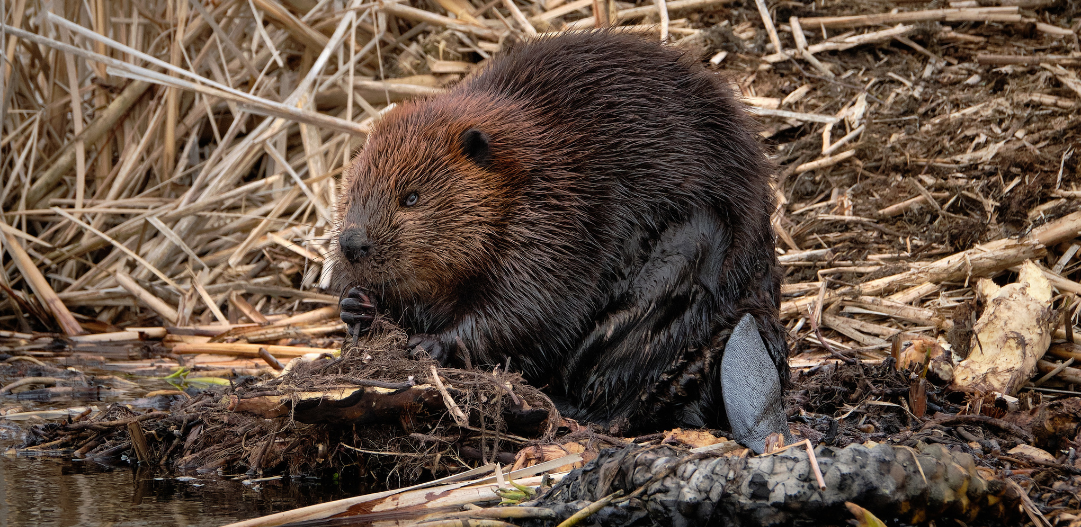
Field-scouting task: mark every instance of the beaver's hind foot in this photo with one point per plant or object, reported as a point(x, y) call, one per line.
point(432, 345)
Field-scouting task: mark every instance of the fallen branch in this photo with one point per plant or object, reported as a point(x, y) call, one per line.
point(964, 14)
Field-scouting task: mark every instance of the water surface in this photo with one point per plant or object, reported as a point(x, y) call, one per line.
point(61, 492)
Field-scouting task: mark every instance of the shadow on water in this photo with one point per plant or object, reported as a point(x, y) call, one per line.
point(62, 492)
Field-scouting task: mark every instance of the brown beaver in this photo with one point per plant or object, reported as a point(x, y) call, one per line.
point(594, 206)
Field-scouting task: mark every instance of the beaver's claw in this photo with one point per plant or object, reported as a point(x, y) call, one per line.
point(431, 344)
point(358, 310)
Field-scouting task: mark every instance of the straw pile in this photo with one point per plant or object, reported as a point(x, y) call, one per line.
point(168, 164)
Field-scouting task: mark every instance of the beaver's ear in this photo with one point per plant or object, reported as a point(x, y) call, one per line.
point(477, 147)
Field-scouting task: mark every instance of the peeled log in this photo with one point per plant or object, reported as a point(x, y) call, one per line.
point(359, 405)
point(364, 405)
point(906, 484)
point(1011, 336)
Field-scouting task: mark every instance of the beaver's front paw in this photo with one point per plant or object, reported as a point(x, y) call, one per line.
point(358, 310)
point(431, 344)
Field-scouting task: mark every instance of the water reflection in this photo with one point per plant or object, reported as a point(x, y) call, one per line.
point(60, 492)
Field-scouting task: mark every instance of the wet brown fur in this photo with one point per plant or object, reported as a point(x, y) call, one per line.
point(618, 231)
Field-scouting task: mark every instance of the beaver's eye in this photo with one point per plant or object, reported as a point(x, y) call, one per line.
point(410, 199)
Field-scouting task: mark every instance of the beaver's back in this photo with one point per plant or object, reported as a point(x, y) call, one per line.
point(631, 111)
point(639, 136)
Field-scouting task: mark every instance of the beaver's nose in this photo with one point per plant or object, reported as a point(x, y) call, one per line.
point(355, 244)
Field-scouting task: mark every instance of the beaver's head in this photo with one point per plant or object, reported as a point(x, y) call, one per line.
point(426, 202)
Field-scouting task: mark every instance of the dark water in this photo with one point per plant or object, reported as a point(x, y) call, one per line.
point(60, 492)
point(51, 491)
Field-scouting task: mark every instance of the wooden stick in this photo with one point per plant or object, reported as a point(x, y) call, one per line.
point(172, 102)
point(844, 42)
point(1065, 350)
point(157, 305)
point(16, 18)
point(602, 15)
point(797, 33)
point(902, 207)
point(316, 315)
point(662, 9)
point(270, 359)
point(319, 205)
point(813, 255)
point(1057, 369)
point(918, 315)
point(785, 114)
point(396, 88)
point(1066, 77)
point(297, 28)
point(988, 59)
point(1064, 374)
point(587, 511)
point(40, 285)
point(208, 300)
point(520, 18)
point(138, 442)
point(913, 293)
point(26, 381)
point(1062, 284)
point(846, 327)
point(563, 10)
point(965, 14)
point(830, 149)
point(175, 239)
point(639, 12)
point(459, 417)
point(767, 20)
point(246, 350)
point(1065, 228)
point(247, 309)
point(978, 261)
point(77, 127)
point(678, 5)
point(1058, 102)
point(824, 162)
point(420, 15)
point(116, 336)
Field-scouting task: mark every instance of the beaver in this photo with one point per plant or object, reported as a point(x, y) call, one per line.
point(594, 207)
